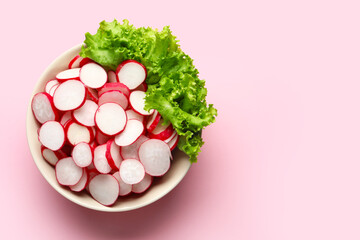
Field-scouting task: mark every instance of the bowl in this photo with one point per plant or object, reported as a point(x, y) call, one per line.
point(160, 187)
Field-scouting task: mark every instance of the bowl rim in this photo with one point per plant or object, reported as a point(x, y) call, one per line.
point(60, 189)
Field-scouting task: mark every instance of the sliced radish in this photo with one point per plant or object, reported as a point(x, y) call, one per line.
point(112, 77)
point(153, 121)
point(82, 182)
point(115, 86)
point(50, 84)
point(93, 75)
point(52, 90)
point(137, 102)
point(75, 62)
point(43, 108)
point(114, 96)
point(131, 171)
point(173, 142)
point(131, 73)
point(143, 185)
point(113, 154)
point(100, 161)
point(82, 154)
point(76, 133)
point(92, 172)
point(51, 156)
point(125, 188)
point(162, 131)
point(69, 95)
point(171, 137)
point(52, 135)
point(65, 118)
point(131, 151)
point(104, 188)
point(85, 115)
point(67, 172)
point(131, 114)
point(110, 118)
point(85, 61)
point(101, 138)
point(155, 156)
point(68, 74)
point(142, 87)
point(92, 94)
point(133, 130)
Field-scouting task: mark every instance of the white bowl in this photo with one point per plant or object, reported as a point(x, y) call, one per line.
point(160, 187)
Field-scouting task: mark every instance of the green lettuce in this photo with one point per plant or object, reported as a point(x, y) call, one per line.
point(174, 88)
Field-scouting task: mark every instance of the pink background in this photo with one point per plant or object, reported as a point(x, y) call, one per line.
point(282, 160)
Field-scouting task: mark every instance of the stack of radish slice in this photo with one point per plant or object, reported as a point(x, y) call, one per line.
point(96, 133)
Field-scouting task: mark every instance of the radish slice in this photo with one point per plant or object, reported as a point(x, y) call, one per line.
point(100, 161)
point(82, 182)
point(173, 142)
point(114, 96)
point(86, 113)
point(52, 135)
point(104, 188)
point(162, 131)
point(67, 172)
point(75, 62)
point(101, 138)
point(69, 95)
point(43, 108)
point(134, 115)
point(133, 130)
point(137, 102)
point(113, 154)
point(142, 87)
point(143, 185)
point(52, 90)
point(50, 84)
point(77, 133)
point(85, 61)
point(93, 75)
point(111, 77)
point(52, 157)
point(68, 74)
point(92, 94)
point(66, 118)
point(82, 154)
point(171, 137)
point(125, 188)
point(155, 156)
point(131, 171)
point(153, 121)
point(131, 73)
point(110, 118)
point(131, 151)
point(115, 86)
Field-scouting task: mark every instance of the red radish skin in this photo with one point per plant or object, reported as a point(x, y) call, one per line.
point(104, 188)
point(114, 96)
point(113, 154)
point(125, 189)
point(153, 121)
point(85, 115)
point(67, 172)
point(143, 185)
point(50, 84)
point(52, 90)
point(83, 182)
point(155, 156)
point(75, 62)
point(137, 103)
point(93, 75)
point(82, 154)
point(133, 130)
point(92, 94)
point(142, 87)
point(173, 143)
point(110, 118)
point(76, 133)
point(85, 61)
point(115, 86)
point(52, 135)
point(112, 77)
point(101, 138)
point(100, 161)
point(68, 74)
point(69, 95)
point(171, 137)
point(131, 171)
point(92, 172)
point(131, 151)
point(131, 73)
point(43, 108)
point(134, 115)
point(162, 131)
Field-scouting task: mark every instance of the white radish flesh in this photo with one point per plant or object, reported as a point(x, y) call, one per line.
point(50, 84)
point(69, 95)
point(68, 74)
point(137, 102)
point(155, 155)
point(114, 96)
point(50, 156)
point(77, 133)
point(113, 154)
point(100, 161)
point(85, 115)
point(52, 90)
point(66, 117)
point(67, 172)
point(131, 171)
point(82, 154)
point(131, 73)
point(75, 62)
point(93, 75)
point(52, 135)
point(143, 185)
point(104, 188)
point(125, 188)
point(131, 114)
point(112, 77)
point(78, 187)
point(43, 108)
point(110, 118)
point(153, 121)
point(131, 151)
point(133, 130)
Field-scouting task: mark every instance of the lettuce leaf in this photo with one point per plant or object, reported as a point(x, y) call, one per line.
point(174, 88)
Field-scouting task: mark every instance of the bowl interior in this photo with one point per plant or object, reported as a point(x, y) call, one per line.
point(160, 187)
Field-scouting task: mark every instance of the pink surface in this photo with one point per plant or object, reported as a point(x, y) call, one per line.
point(281, 162)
